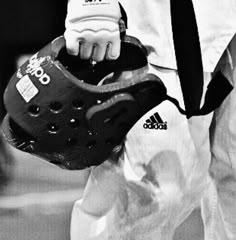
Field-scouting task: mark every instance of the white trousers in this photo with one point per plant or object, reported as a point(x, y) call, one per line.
point(166, 174)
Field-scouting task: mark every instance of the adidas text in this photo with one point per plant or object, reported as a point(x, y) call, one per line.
point(92, 1)
point(155, 122)
point(34, 69)
point(160, 126)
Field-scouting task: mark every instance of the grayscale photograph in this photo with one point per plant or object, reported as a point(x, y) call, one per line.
point(117, 120)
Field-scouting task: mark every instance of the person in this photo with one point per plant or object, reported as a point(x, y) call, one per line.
point(163, 175)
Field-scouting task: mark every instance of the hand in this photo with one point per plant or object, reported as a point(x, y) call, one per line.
point(99, 197)
point(101, 190)
point(92, 29)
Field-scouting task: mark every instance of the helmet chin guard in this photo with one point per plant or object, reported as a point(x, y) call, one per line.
point(74, 113)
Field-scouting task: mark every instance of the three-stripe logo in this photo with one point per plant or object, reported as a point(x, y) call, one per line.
point(155, 122)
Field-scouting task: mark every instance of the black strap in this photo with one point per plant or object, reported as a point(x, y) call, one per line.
point(189, 62)
point(188, 53)
point(217, 91)
point(123, 15)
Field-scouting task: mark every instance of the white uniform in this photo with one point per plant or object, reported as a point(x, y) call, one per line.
point(170, 173)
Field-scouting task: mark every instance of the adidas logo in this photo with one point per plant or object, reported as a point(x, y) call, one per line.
point(92, 0)
point(155, 122)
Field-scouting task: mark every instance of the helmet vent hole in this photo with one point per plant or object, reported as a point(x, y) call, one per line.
point(71, 141)
point(55, 107)
point(78, 104)
point(53, 128)
point(34, 110)
point(91, 144)
point(74, 123)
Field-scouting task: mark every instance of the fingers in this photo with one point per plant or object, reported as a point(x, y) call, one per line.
point(87, 46)
point(99, 52)
point(113, 50)
point(72, 43)
point(86, 50)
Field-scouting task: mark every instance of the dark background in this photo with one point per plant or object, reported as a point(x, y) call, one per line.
point(26, 27)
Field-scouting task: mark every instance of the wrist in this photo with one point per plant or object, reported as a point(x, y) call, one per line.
point(78, 10)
